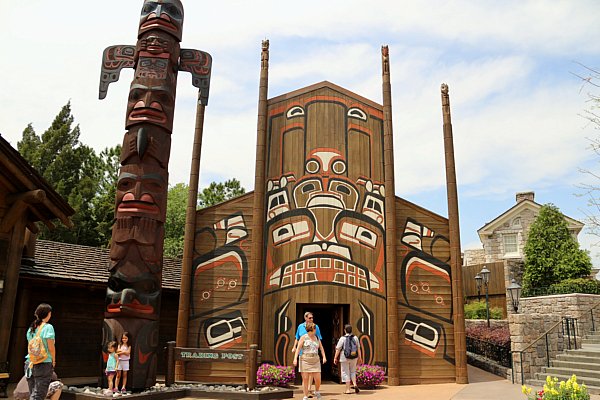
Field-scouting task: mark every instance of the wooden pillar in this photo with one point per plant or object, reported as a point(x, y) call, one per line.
point(460, 340)
point(8, 298)
point(255, 280)
point(390, 224)
point(188, 240)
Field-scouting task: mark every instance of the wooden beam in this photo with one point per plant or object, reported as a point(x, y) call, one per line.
point(45, 220)
point(30, 197)
point(390, 224)
point(59, 214)
point(255, 280)
point(460, 338)
point(14, 214)
point(33, 227)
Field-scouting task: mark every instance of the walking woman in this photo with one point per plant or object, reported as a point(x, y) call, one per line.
point(311, 365)
point(41, 353)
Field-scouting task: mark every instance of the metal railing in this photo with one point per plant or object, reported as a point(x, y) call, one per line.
point(491, 351)
point(550, 290)
point(568, 329)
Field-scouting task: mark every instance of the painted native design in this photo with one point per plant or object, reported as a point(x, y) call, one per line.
point(219, 283)
point(134, 288)
point(425, 284)
point(325, 209)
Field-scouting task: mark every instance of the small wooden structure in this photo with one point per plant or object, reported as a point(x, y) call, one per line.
point(25, 198)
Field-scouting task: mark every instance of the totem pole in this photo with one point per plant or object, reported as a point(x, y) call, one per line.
point(136, 255)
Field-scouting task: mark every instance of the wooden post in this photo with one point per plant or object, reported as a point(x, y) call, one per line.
point(8, 297)
point(252, 365)
point(255, 279)
point(460, 340)
point(390, 224)
point(188, 240)
point(170, 372)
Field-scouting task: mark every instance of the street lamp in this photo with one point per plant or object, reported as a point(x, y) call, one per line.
point(514, 290)
point(478, 280)
point(485, 276)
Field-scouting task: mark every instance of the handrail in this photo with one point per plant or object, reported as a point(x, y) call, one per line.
point(591, 311)
point(541, 336)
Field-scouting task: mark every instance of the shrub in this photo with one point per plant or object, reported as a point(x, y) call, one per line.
point(499, 335)
point(477, 310)
point(273, 375)
point(369, 375)
point(557, 391)
point(577, 285)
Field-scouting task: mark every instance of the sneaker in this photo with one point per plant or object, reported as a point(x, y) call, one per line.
point(318, 395)
point(114, 390)
point(123, 391)
point(305, 398)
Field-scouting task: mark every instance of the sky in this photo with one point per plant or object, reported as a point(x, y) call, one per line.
point(511, 67)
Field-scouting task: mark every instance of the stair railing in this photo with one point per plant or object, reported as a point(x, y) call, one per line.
point(594, 308)
point(535, 342)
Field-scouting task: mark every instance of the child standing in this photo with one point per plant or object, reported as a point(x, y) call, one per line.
point(124, 352)
point(111, 365)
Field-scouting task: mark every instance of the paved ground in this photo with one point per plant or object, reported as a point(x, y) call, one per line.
point(482, 386)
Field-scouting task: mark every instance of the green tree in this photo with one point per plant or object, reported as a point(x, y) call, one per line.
point(177, 204)
point(72, 168)
point(217, 193)
point(551, 253)
point(175, 222)
point(104, 201)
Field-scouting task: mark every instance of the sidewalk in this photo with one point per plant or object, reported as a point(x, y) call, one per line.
point(482, 386)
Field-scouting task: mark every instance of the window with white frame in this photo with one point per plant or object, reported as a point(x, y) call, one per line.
point(511, 247)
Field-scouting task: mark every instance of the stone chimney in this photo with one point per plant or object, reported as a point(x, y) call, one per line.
point(525, 196)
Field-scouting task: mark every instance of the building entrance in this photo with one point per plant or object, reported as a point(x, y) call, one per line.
point(331, 319)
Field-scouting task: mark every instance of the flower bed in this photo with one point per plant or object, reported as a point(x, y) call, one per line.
point(273, 375)
point(553, 390)
point(369, 376)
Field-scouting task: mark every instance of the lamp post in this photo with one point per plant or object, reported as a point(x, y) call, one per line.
point(478, 280)
point(485, 277)
point(514, 290)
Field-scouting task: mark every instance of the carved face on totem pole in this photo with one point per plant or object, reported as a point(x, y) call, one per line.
point(325, 195)
point(164, 15)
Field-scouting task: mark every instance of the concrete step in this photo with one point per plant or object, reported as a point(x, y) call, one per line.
point(590, 351)
point(580, 372)
point(569, 364)
point(593, 385)
point(595, 340)
point(577, 358)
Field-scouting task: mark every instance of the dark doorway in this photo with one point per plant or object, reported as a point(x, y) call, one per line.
point(331, 319)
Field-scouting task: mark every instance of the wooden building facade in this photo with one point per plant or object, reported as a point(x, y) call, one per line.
point(332, 239)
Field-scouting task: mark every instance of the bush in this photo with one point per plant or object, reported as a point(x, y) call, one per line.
point(477, 310)
point(369, 375)
point(557, 391)
point(577, 285)
point(499, 335)
point(273, 375)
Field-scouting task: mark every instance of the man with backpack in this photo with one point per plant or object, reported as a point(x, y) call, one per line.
point(348, 353)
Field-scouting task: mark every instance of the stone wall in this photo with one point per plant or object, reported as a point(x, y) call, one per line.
point(541, 314)
point(493, 245)
point(474, 257)
point(528, 343)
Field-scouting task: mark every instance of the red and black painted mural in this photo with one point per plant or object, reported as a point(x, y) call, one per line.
point(134, 288)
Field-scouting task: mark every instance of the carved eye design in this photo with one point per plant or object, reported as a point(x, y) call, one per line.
point(357, 113)
point(312, 166)
point(339, 167)
point(295, 111)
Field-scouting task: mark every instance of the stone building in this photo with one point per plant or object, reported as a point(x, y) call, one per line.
point(505, 236)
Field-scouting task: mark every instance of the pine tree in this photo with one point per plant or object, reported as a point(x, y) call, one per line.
point(552, 254)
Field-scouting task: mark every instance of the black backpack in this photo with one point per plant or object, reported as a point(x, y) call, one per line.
point(350, 347)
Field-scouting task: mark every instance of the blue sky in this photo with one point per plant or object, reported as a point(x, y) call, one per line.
point(515, 103)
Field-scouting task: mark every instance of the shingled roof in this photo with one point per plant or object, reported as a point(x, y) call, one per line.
point(76, 263)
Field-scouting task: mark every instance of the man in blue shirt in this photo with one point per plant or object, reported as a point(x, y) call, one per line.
point(301, 331)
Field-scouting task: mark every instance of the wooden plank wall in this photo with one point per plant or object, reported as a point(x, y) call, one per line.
point(496, 288)
point(219, 290)
point(324, 198)
point(424, 303)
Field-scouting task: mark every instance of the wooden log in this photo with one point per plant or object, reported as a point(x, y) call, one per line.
point(30, 197)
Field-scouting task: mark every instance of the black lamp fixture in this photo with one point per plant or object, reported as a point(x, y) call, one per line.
point(478, 280)
point(485, 277)
point(514, 290)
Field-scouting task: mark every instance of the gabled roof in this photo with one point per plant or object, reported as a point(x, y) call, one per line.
point(324, 84)
point(517, 209)
point(76, 263)
point(17, 176)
